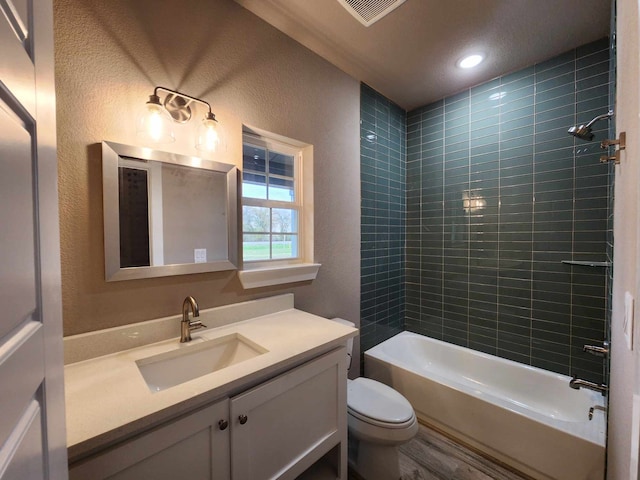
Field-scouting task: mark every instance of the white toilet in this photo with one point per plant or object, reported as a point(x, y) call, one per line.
point(379, 419)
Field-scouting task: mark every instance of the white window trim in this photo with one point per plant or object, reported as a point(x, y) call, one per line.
point(303, 268)
point(267, 276)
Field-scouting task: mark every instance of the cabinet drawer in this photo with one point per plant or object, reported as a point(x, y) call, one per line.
point(283, 426)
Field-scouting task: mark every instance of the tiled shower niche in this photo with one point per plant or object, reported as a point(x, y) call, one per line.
point(498, 196)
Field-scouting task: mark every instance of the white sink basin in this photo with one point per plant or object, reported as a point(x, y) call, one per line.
point(191, 361)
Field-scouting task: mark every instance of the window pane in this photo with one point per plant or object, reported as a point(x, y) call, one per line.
point(285, 246)
point(284, 220)
point(254, 186)
point(255, 219)
point(255, 247)
point(254, 158)
point(270, 231)
point(280, 164)
point(281, 189)
point(254, 178)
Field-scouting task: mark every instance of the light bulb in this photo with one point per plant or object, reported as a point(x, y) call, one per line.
point(471, 61)
point(208, 136)
point(154, 123)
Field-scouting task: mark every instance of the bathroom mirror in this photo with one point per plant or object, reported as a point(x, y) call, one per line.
point(166, 214)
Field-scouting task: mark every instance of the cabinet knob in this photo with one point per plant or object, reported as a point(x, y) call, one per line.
point(223, 424)
point(243, 419)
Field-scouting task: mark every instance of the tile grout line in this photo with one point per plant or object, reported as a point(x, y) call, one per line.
point(573, 217)
point(444, 170)
point(533, 212)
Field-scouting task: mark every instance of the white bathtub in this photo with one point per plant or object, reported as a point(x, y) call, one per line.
point(524, 416)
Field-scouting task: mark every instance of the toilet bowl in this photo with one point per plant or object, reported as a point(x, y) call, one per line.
point(379, 420)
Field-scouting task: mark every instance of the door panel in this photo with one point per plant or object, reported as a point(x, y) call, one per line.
point(18, 73)
point(18, 274)
point(20, 9)
point(26, 461)
point(22, 352)
point(32, 430)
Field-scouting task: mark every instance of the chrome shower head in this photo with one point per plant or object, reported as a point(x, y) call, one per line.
point(583, 132)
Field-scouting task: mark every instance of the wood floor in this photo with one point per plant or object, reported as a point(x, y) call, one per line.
point(432, 456)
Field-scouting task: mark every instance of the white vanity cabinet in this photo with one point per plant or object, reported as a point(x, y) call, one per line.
point(277, 429)
point(283, 426)
point(193, 447)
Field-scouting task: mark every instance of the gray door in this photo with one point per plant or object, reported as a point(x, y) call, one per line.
point(32, 431)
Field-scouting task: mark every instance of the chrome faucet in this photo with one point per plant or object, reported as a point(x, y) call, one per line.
point(577, 383)
point(187, 325)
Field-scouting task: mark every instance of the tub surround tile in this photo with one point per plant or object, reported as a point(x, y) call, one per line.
point(431, 266)
point(535, 172)
point(383, 186)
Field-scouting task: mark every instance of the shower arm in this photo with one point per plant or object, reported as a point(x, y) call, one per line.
point(609, 114)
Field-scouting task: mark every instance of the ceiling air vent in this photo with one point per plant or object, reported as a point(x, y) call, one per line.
point(369, 12)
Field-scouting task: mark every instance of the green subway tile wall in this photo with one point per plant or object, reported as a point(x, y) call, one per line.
point(382, 180)
point(470, 205)
point(497, 196)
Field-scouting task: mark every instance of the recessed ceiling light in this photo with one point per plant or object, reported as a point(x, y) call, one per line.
point(470, 61)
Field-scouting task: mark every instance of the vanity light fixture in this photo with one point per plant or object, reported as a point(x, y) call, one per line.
point(154, 124)
point(470, 61)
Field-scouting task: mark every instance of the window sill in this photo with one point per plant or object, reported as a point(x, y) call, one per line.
point(264, 277)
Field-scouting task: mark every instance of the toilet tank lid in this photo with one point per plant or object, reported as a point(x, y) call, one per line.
point(343, 322)
point(378, 401)
point(350, 341)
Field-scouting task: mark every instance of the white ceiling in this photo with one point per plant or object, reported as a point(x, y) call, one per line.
point(410, 55)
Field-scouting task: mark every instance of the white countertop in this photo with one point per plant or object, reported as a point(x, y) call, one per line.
point(107, 400)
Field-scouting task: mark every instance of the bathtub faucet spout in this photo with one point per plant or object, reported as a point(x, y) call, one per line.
point(577, 383)
point(594, 408)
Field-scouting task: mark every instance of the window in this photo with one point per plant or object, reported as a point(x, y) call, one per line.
point(277, 210)
point(272, 208)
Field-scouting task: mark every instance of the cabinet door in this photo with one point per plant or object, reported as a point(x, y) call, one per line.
point(285, 425)
point(193, 447)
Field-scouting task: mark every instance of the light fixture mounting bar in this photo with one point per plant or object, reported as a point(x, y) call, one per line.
point(178, 104)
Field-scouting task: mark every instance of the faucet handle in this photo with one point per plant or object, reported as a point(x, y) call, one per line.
point(596, 350)
point(196, 325)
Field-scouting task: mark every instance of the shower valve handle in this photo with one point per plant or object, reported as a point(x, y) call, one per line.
point(597, 351)
point(621, 142)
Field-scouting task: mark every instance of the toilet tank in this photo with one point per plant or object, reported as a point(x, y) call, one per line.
point(350, 341)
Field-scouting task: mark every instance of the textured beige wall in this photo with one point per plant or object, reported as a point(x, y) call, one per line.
point(625, 371)
point(110, 55)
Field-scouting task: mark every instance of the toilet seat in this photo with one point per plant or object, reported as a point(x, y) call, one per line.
point(378, 404)
point(378, 423)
